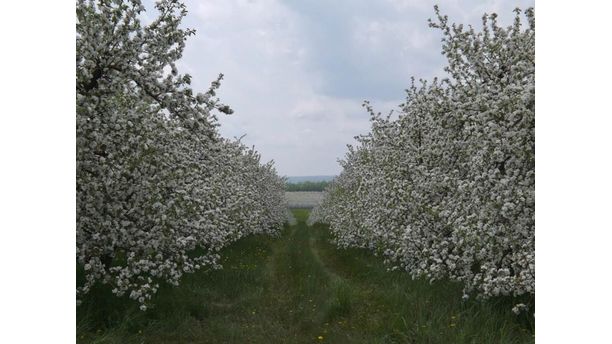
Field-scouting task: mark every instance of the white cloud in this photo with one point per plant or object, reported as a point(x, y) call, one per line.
point(297, 72)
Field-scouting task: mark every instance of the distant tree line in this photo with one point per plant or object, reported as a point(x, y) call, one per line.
point(306, 186)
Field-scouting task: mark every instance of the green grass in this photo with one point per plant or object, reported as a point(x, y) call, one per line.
point(306, 186)
point(295, 288)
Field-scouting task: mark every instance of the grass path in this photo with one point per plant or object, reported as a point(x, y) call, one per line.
point(315, 252)
point(299, 288)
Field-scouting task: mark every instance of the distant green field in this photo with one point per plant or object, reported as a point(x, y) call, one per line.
point(299, 288)
point(319, 178)
point(306, 186)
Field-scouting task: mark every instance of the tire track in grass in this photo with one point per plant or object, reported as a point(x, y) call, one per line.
point(333, 276)
point(340, 294)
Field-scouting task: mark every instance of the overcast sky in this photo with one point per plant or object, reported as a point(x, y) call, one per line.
point(297, 72)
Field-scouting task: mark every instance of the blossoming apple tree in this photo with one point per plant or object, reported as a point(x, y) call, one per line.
point(159, 191)
point(447, 189)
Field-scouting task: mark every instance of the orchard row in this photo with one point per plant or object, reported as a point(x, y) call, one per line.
point(446, 188)
point(159, 191)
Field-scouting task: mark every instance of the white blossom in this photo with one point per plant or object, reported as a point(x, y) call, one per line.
point(155, 180)
point(447, 189)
